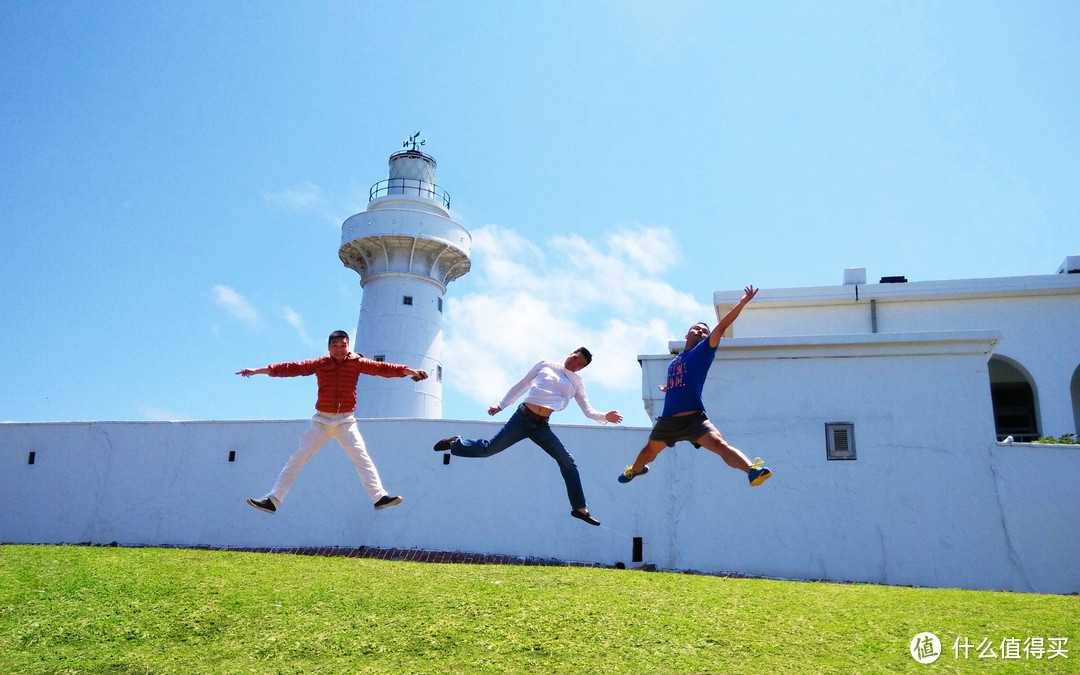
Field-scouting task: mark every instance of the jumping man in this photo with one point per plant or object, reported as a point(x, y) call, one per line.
point(550, 386)
point(336, 374)
point(683, 417)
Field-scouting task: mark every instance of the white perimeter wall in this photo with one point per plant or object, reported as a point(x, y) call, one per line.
point(931, 500)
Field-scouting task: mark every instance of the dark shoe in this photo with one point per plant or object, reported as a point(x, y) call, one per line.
point(386, 502)
point(445, 444)
point(584, 515)
point(265, 504)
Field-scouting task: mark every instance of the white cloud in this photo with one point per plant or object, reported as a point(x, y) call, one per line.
point(307, 198)
point(301, 197)
point(297, 322)
point(241, 309)
point(653, 249)
point(541, 301)
point(160, 415)
point(236, 304)
point(665, 27)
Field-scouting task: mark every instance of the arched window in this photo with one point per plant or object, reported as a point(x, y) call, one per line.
point(1015, 409)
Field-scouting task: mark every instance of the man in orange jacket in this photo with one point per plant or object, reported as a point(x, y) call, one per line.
point(337, 374)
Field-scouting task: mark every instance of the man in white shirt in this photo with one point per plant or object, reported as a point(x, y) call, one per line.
point(548, 387)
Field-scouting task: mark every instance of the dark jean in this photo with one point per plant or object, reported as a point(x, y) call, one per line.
point(521, 426)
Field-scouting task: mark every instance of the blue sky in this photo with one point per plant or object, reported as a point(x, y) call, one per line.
point(175, 175)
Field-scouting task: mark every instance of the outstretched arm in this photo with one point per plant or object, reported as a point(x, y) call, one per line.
point(582, 399)
point(416, 375)
point(248, 372)
point(714, 337)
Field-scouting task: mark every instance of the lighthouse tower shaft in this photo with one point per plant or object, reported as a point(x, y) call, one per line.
point(406, 249)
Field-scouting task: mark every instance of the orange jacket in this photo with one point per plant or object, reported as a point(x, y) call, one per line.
point(337, 381)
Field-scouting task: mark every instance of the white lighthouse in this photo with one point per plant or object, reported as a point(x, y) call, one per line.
point(406, 249)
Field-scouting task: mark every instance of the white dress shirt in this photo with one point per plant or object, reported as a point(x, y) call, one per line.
point(551, 385)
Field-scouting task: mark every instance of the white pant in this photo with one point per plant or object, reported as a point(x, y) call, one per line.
point(324, 426)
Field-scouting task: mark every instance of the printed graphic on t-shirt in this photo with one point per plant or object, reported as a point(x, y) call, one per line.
point(676, 374)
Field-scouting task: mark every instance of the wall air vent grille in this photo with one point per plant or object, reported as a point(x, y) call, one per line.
point(840, 440)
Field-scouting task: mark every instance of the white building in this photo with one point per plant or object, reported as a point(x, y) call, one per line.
point(406, 249)
point(878, 408)
point(1033, 369)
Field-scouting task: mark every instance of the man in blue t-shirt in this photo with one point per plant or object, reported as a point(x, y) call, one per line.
point(683, 418)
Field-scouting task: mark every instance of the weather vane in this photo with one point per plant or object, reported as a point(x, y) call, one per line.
point(412, 141)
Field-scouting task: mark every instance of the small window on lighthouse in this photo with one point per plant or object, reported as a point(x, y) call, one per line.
point(380, 357)
point(440, 304)
point(438, 373)
point(407, 300)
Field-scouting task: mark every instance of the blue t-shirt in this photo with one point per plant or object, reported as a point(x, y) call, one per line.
point(686, 379)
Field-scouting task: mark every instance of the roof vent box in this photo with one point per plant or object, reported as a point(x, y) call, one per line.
point(854, 276)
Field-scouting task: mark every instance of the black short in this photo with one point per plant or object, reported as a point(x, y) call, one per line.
point(671, 430)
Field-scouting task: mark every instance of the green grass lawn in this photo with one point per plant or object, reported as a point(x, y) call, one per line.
point(137, 610)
